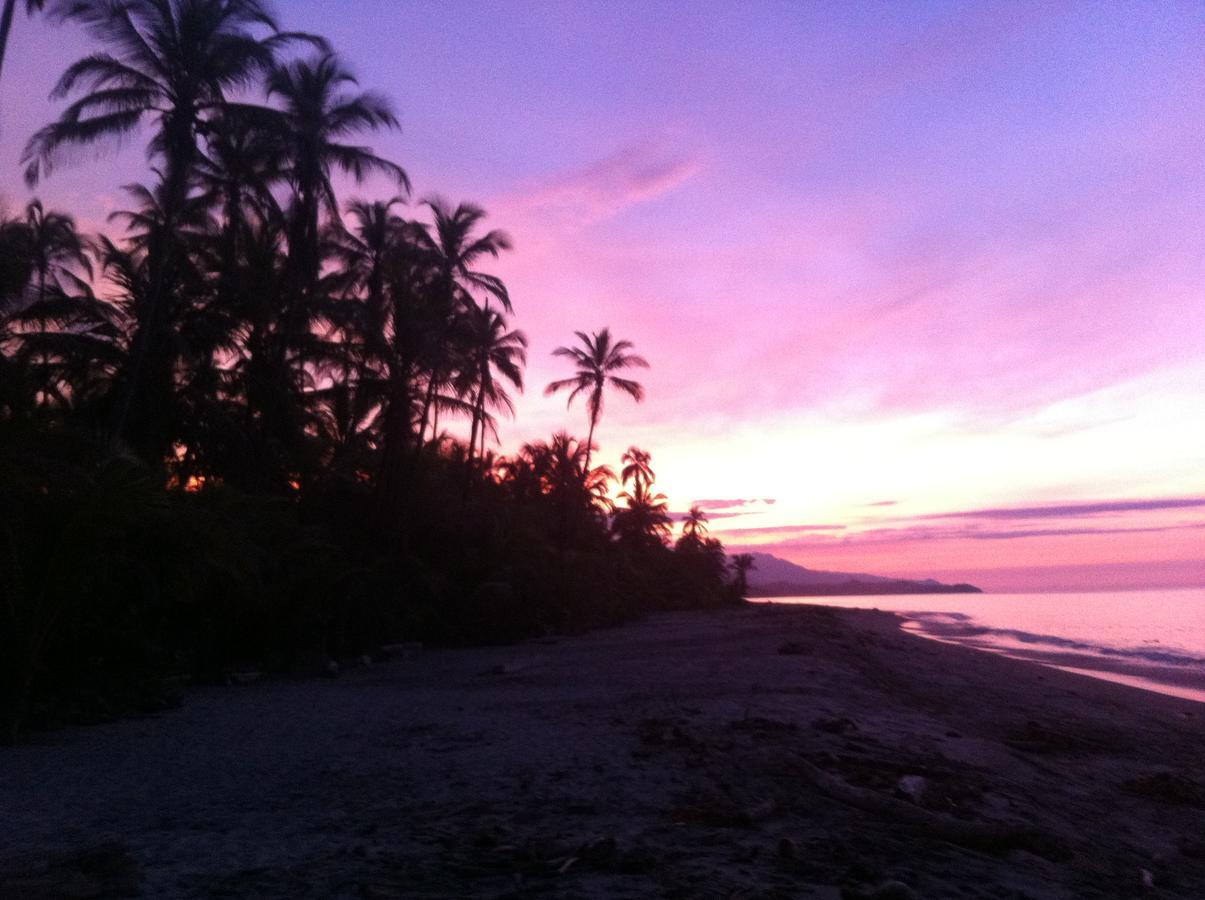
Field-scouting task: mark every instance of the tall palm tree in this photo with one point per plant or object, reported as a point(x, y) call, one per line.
point(363, 253)
point(458, 250)
point(174, 63)
point(492, 349)
point(357, 307)
point(455, 250)
point(318, 114)
point(596, 359)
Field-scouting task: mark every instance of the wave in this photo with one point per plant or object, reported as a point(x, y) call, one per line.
point(962, 628)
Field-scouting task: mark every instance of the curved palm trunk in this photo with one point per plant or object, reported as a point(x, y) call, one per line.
point(6, 27)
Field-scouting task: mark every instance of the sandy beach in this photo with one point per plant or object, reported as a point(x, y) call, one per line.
point(765, 751)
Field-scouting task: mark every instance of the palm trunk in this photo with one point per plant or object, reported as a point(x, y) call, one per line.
point(589, 446)
point(6, 27)
point(428, 404)
point(150, 333)
point(594, 407)
point(473, 430)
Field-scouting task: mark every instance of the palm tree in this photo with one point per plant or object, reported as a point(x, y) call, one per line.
point(561, 469)
point(67, 339)
point(742, 563)
point(60, 329)
point(455, 251)
point(637, 468)
point(645, 518)
point(55, 247)
point(493, 349)
point(318, 114)
point(596, 360)
point(172, 62)
point(694, 526)
point(363, 253)
point(458, 250)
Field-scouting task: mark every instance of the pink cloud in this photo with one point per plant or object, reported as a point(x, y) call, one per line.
point(635, 174)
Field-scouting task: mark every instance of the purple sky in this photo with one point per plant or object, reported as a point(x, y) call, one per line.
point(949, 255)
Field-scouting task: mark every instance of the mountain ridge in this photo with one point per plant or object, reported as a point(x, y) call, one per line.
point(773, 576)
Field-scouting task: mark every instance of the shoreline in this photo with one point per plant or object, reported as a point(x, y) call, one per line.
point(1159, 670)
point(1185, 684)
point(784, 751)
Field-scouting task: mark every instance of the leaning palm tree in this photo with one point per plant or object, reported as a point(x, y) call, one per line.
point(596, 359)
point(172, 63)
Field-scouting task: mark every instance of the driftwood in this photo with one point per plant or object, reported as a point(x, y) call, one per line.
point(984, 836)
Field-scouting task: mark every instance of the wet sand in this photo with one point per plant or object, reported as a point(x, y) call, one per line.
point(767, 751)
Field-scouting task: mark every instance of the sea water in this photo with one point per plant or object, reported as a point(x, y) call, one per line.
point(1153, 639)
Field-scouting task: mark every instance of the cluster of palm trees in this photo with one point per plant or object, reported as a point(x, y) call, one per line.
point(246, 329)
point(249, 328)
point(254, 335)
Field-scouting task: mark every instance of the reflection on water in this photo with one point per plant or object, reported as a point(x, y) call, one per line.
point(1149, 639)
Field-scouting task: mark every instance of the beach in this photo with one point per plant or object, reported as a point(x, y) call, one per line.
point(763, 751)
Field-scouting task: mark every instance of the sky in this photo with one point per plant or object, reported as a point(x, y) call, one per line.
point(922, 284)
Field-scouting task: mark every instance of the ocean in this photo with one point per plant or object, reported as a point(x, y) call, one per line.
point(1152, 639)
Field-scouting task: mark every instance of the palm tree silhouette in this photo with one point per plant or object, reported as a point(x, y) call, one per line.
point(742, 563)
point(596, 360)
point(363, 252)
point(55, 248)
point(318, 114)
point(694, 526)
point(64, 335)
point(645, 519)
point(637, 468)
point(455, 251)
point(173, 62)
point(492, 349)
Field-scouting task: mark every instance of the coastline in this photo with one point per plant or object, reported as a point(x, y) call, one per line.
point(783, 751)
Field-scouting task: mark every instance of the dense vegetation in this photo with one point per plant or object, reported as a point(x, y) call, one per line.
point(223, 430)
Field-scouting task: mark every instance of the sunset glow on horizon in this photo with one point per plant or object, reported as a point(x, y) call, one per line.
point(922, 285)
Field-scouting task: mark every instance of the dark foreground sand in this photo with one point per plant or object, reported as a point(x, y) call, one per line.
point(762, 752)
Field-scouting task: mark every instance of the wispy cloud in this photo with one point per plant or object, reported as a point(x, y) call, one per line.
point(635, 174)
point(1073, 510)
point(778, 532)
point(729, 504)
point(810, 537)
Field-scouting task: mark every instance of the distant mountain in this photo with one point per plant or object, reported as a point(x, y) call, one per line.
point(774, 577)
